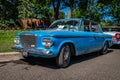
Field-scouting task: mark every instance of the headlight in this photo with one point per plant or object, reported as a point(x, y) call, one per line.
point(47, 42)
point(16, 40)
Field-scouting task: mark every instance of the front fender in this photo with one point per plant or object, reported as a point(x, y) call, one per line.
point(61, 44)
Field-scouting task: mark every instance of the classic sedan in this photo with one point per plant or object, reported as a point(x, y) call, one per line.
point(114, 31)
point(63, 39)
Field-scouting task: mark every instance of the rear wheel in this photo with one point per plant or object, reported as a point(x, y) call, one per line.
point(63, 59)
point(104, 50)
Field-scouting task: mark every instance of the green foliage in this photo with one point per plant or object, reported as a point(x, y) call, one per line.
point(10, 10)
point(61, 15)
point(97, 10)
point(2, 24)
point(114, 9)
point(71, 4)
point(39, 8)
point(106, 23)
point(77, 13)
point(32, 9)
point(22, 9)
point(7, 24)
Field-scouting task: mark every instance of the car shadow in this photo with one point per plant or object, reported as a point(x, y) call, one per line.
point(51, 63)
point(89, 56)
point(115, 47)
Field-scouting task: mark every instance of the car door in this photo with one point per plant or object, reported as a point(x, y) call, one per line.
point(89, 39)
point(97, 35)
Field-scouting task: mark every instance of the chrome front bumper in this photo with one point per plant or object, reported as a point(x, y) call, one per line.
point(41, 52)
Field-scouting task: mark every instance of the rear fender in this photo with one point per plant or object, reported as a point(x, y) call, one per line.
point(109, 43)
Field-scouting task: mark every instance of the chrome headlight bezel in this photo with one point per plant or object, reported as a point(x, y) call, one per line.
point(47, 42)
point(17, 40)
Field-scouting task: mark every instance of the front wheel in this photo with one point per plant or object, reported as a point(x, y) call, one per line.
point(63, 59)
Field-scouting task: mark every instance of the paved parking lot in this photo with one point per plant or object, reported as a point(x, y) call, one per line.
point(86, 67)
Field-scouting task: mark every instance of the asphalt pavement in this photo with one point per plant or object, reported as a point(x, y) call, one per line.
point(86, 67)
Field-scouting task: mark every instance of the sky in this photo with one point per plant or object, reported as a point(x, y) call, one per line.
point(65, 10)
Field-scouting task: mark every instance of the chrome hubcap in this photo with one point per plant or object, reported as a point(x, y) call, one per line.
point(66, 53)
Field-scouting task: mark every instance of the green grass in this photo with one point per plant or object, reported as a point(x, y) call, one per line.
point(6, 40)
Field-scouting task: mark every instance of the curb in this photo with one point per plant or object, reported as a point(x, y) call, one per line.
point(9, 56)
point(9, 53)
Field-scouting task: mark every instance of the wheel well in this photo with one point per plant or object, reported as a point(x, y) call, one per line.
point(72, 48)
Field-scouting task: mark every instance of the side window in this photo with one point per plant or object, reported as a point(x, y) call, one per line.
point(73, 25)
point(85, 26)
point(89, 26)
point(94, 27)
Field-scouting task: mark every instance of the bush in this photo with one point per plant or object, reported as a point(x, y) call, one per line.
point(7, 24)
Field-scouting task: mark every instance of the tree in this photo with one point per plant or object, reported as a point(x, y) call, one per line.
point(6, 9)
point(7, 15)
point(76, 13)
point(82, 9)
point(32, 8)
point(22, 8)
point(115, 10)
point(93, 10)
point(60, 4)
point(99, 10)
point(40, 8)
point(71, 4)
point(10, 10)
point(51, 14)
point(61, 15)
point(110, 8)
point(56, 7)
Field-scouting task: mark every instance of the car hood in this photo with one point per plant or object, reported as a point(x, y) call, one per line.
point(54, 33)
point(39, 32)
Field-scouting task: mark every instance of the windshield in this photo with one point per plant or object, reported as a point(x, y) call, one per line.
point(64, 25)
point(111, 29)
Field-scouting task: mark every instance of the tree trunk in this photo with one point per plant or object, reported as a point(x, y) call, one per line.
point(56, 8)
point(69, 12)
point(56, 14)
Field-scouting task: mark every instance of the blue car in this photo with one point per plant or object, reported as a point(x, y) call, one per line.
point(63, 39)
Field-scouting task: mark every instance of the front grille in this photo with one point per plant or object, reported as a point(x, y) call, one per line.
point(28, 40)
